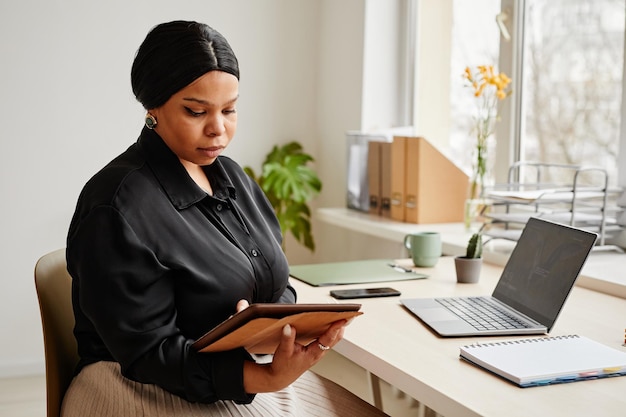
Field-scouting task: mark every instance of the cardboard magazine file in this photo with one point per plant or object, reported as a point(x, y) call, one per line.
point(398, 161)
point(379, 178)
point(435, 187)
point(385, 179)
point(374, 176)
point(259, 327)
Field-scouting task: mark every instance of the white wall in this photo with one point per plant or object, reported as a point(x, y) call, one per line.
point(359, 81)
point(66, 109)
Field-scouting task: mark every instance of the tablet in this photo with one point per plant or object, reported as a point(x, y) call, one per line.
point(258, 328)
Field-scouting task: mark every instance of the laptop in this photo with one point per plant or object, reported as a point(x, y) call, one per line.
point(530, 294)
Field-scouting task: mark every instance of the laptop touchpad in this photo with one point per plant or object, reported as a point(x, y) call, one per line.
point(436, 314)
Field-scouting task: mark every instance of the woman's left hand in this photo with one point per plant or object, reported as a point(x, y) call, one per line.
point(291, 360)
point(242, 305)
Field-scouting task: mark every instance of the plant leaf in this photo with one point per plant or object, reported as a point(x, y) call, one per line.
point(289, 184)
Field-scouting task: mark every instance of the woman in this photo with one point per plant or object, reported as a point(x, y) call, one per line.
point(171, 238)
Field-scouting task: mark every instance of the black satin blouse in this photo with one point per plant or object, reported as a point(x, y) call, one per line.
point(156, 262)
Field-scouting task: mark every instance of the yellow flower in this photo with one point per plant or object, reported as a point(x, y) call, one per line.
point(468, 75)
point(485, 77)
point(488, 87)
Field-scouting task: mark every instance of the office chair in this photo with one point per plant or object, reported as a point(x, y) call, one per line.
point(54, 291)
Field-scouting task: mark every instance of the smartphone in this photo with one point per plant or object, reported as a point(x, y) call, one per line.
point(364, 293)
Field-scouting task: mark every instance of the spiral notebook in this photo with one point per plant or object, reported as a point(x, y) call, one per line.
point(547, 360)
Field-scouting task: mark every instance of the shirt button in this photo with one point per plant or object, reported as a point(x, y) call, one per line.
point(254, 253)
point(219, 207)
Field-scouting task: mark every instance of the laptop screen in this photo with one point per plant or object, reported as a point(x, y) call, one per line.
point(543, 268)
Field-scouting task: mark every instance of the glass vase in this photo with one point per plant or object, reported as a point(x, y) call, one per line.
point(474, 214)
point(477, 205)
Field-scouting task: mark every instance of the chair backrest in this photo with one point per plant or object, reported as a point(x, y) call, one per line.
point(54, 290)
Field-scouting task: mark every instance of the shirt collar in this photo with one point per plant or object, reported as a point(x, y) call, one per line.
point(171, 174)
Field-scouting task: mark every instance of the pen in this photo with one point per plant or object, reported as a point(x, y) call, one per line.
point(400, 268)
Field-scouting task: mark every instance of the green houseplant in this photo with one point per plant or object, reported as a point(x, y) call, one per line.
point(468, 266)
point(290, 184)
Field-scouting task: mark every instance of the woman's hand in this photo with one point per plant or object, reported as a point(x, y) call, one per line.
point(291, 360)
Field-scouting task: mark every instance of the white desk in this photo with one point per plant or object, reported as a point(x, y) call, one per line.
point(393, 345)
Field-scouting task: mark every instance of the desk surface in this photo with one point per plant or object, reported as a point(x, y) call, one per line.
point(392, 344)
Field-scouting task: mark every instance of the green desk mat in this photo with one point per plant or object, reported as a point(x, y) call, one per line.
point(351, 272)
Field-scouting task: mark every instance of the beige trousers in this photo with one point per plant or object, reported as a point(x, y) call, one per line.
point(100, 390)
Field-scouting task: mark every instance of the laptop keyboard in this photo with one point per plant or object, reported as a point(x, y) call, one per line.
point(481, 314)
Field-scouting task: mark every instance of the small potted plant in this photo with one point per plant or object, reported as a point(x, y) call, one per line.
point(468, 266)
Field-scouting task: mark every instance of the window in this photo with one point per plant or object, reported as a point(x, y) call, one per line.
point(567, 61)
point(571, 69)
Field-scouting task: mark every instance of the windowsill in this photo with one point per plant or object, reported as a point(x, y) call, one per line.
point(598, 274)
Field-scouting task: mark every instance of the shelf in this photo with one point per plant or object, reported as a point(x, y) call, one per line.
point(580, 219)
point(385, 228)
point(454, 236)
point(565, 195)
point(598, 274)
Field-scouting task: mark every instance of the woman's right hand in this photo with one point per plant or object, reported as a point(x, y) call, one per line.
point(291, 360)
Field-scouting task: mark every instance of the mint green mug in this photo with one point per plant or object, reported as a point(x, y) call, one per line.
point(424, 248)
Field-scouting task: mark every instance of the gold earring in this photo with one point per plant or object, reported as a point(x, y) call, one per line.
point(150, 121)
